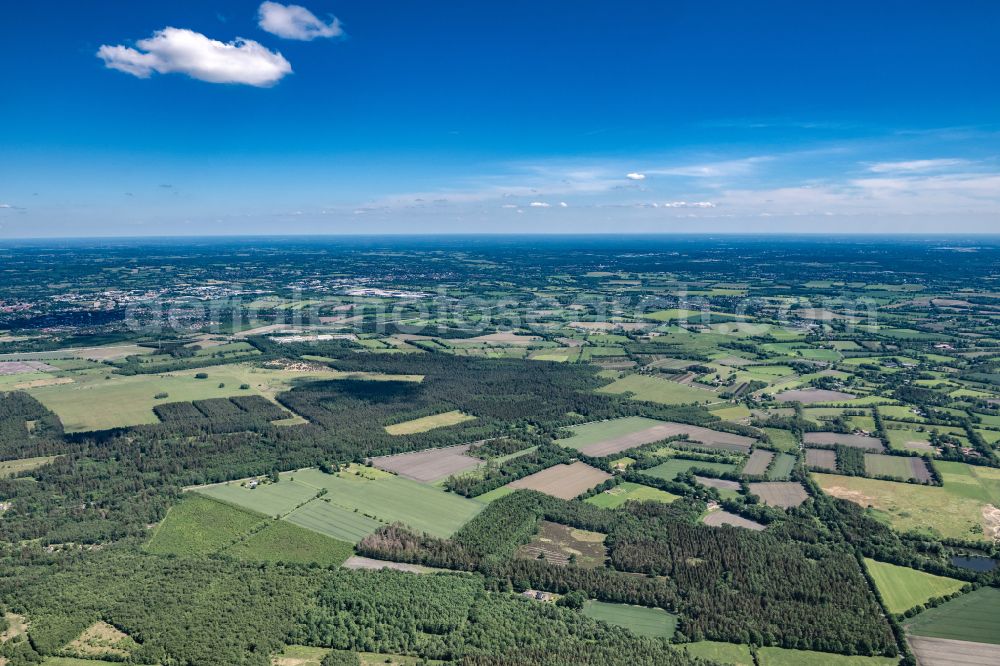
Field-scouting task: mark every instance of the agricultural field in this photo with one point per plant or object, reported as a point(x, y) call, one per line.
point(669, 469)
point(841, 439)
point(823, 460)
point(783, 440)
point(903, 468)
point(92, 402)
point(639, 620)
point(904, 588)
point(427, 423)
point(813, 396)
point(786, 494)
point(774, 656)
point(782, 467)
point(971, 617)
point(630, 492)
point(758, 462)
point(607, 437)
point(334, 521)
point(564, 545)
point(429, 465)
point(664, 391)
point(300, 655)
point(563, 481)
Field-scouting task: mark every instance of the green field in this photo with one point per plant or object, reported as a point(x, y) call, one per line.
point(200, 526)
point(663, 391)
point(954, 510)
point(783, 440)
point(73, 661)
point(592, 433)
point(300, 655)
point(92, 402)
point(272, 499)
point(630, 492)
point(970, 617)
point(427, 423)
point(672, 314)
point(781, 467)
point(903, 588)
point(333, 521)
point(422, 507)
point(897, 467)
point(12, 467)
point(638, 619)
point(671, 468)
point(773, 656)
point(724, 653)
point(284, 542)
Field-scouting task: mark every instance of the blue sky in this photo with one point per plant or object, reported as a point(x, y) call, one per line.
point(368, 116)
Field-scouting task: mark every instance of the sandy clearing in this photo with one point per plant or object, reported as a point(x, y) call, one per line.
point(720, 518)
point(359, 562)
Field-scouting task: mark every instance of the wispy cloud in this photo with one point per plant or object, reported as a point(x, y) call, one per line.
point(915, 166)
point(635, 176)
point(719, 169)
point(295, 22)
point(181, 51)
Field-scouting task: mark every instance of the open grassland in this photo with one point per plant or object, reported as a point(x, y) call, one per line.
point(12, 467)
point(630, 492)
point(732, 654)
point(563, 481)
point(427, 423)
point(637, 619)
point(92, 402)
point(774, 656)
point(970, 617)
point(73, 661)
point(200, 526)
point(282, 541)
point(903, 588)
point(965, 507)
point(663, 391)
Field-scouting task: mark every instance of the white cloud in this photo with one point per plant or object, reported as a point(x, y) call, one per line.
point(539, 204)
point(635, 176)
point(180, 51)
point(295, 22)
point(914, 166)
point(5, 206)
point(723, 168)
point(563, 204)
point(688, 204)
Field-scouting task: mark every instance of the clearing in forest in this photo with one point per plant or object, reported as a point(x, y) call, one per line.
point(639, 620)
point(559, 544)
point(427, 423)
point(563, 481)
point(630, 492)
point(102, 640)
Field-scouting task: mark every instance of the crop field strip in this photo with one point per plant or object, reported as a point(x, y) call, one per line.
point(903, 588)
point(429, 465)
point(563, 481)
point(970, 617)
point(758, 462)
point(608, 437)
